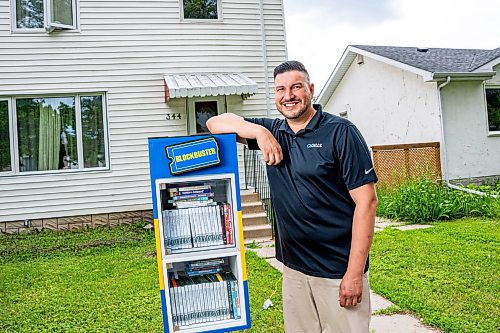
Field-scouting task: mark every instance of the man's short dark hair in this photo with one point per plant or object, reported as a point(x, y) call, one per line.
point(291, 65)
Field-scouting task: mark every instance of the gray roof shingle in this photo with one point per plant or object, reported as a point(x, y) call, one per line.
point(436, 59)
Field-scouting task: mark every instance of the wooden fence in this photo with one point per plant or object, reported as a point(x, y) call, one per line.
point(397, 163)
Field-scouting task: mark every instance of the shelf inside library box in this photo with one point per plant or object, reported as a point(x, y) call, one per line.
point(200, 255)
point(197, 215)
point(198, 225)
point(205, 292)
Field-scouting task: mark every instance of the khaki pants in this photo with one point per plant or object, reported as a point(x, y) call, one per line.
point(310, 305)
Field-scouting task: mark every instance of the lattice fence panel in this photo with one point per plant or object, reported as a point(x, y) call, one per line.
point(425, 162)
point(397, 163)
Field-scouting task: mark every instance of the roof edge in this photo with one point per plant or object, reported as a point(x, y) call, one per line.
point(329, 87)
point(489, 65)
point(472, 76)
point(348, 56)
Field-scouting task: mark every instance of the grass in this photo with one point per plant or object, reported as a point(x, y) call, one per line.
point(105, 280)
point(101, 280)
point(264, 282)
point(448, 274)
point(87, 281)
point(422, 201)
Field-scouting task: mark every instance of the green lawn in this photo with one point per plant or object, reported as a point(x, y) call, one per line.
point(448, 275)
point(90, 281)
point(105, 280)
point(101, 280)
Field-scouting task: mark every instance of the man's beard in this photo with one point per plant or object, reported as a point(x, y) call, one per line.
point(295, 115)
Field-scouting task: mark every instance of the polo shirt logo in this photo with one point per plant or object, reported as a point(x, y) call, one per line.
point(314, 145)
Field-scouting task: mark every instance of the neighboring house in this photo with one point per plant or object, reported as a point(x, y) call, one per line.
point(403, 95)
point(84, 83)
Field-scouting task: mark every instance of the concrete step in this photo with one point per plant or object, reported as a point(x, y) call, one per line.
point(262, 240)
point(251, 207)
point(249, 197)
point(255, 219)
point(250, 190)
point(257, 231)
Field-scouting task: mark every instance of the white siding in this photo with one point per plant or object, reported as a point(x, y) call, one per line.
point(124, 48)
point(388, 105)
point(470, 151)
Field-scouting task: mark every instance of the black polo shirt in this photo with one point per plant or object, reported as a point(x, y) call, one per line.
point(310, 191)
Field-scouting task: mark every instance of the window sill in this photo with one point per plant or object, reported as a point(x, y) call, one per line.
point(54, 172)
point(493, 134)
point(198, 21)
point(43, 32)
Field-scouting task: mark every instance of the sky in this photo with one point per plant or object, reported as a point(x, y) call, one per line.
point(318, 31)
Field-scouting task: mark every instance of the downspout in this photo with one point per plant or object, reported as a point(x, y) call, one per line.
point(443, 145)
point(264, 53)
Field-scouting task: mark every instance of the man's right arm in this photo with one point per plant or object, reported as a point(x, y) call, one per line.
point(231, 123)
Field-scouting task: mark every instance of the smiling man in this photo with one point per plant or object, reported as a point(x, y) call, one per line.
point(322, 185)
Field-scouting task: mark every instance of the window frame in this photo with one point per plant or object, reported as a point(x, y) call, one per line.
point(11, 141)
point(81, 168)
point(49, 19)
point(486, 87)
point(221, 102)
point(188, 20)
point(48, 27)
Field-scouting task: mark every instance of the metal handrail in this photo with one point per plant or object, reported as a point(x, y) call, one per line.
point(256, 180)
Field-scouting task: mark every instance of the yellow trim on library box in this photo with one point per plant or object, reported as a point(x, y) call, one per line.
point(242, 246)
point(158, 254)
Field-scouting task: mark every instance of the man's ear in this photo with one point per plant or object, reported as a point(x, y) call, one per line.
point(311, 88)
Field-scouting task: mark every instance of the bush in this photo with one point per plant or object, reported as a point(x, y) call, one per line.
point(423, 200)
point(486, 188)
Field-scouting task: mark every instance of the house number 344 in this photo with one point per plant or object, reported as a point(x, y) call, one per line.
point(173, 116)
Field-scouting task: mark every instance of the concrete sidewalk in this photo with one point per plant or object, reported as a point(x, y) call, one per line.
point(396, 323)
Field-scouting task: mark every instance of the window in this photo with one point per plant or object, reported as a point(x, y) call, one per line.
point(54, 133)
point(5, 156)
point(93, 136)
point(200, 9)
point(200, 110)
point(493, 107)
point(36, 14)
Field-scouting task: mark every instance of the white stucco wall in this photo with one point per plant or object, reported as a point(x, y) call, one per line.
point(471, 152)
point(387, 104)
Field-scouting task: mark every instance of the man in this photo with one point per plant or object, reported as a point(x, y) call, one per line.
point(322, 185)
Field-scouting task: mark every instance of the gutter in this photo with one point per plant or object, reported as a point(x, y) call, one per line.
point(463, 76)
point(443, 145)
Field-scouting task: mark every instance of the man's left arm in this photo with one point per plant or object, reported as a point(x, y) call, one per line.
point(351, 287)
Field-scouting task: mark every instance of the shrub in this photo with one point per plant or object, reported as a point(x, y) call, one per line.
point(486, 188)
point(423, 200)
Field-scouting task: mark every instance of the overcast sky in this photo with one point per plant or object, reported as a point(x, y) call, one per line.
point(318, 31)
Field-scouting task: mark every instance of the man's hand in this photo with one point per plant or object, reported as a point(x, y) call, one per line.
point(271, 149)
point(350, 290)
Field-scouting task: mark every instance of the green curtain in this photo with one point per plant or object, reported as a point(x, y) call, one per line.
point(49, 140)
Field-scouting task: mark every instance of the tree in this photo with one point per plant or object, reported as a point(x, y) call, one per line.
point(5, 164)
point(92, 131)
point(29, 13)
point(493, 101)
point(200, 9)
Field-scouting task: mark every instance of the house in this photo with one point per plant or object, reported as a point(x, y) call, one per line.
point(84, 84)
point(405, 95)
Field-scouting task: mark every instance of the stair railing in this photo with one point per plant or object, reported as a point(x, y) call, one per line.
point(256, 180)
